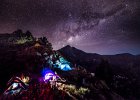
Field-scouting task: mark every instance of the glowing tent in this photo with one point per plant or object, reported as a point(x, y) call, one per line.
point(62, 64)
point(65, 67)
point(37, 45)
point(47, 74)
point(57, 61)
point(16, 86)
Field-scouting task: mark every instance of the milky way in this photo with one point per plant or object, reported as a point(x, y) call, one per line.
point(97, 26)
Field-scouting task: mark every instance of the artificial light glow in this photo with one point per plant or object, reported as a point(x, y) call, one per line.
point(48, 76)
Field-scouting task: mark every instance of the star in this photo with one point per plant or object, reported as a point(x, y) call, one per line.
point(89, 25)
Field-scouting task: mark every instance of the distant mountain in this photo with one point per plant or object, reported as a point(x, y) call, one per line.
point(73, 54)
point(78, 56)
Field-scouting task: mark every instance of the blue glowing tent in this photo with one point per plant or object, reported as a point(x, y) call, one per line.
point(65, 67)
point(57, 61)
point(62, 64)
point(47, 74)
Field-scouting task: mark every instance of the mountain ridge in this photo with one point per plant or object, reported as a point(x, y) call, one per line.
point(71, 47)
point(92, 59)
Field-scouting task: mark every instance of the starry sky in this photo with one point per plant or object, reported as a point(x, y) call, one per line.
point(95, 26)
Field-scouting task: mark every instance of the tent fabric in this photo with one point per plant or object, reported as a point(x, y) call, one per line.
point(56, 61)
point(47, 74)
point(16, 85)
point(65, 67)
point(62, 64)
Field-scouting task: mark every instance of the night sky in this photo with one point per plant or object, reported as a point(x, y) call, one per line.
point(96, 26)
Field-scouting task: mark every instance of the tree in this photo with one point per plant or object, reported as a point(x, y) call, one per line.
point(28, 34)
point(44, 40)
point(18, 33)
